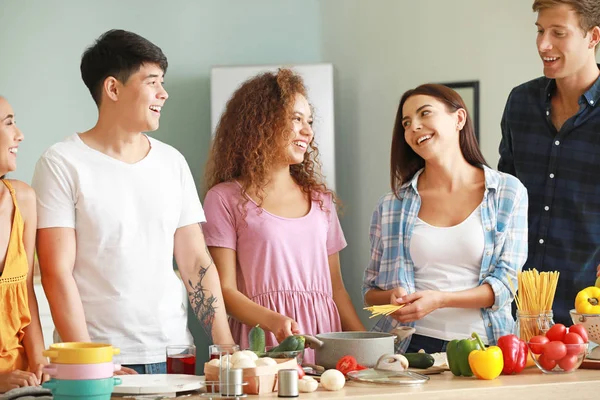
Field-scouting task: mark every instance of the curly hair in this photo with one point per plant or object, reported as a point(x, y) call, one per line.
point(253, 133)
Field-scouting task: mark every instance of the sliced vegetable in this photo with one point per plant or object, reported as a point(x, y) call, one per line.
point(347, 364)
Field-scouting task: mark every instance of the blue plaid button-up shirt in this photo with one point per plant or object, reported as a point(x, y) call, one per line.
point(504, 220)
point(561, 171)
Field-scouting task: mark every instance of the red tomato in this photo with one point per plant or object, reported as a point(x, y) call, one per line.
point(536, 344)
point(346, 364)
point(580, 330)
point(301, 372)
point(568, 362)
point(574, 342)
point(555, 350)
point(546, 363)
point(557, 332)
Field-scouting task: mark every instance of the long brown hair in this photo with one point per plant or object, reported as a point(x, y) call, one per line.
point(253, 133)
point(404, 161)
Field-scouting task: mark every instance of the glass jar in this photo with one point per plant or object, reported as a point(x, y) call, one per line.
point(529, 324)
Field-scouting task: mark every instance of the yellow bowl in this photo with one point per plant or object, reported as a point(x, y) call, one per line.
point(80, 353)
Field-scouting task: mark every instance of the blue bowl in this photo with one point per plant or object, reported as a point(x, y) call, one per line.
point(86, 389)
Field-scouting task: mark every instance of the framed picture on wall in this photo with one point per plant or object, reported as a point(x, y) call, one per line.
point(469, 91)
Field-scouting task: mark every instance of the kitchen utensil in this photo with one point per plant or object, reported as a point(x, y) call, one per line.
point(366, 347)
point(87, 389)
point(287, 382)
point(81, 371)
point(591, 323)
point(372, 375)
point(158, 383)
point(80, 353)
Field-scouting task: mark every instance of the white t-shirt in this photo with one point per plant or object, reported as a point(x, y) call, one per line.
point(125, 217)
point(448, 259)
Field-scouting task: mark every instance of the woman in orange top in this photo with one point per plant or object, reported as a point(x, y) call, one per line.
point(21, 343)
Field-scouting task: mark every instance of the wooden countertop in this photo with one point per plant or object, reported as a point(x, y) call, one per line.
point(530, 384)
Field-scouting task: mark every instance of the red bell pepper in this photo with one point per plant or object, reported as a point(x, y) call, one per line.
point(514, 352)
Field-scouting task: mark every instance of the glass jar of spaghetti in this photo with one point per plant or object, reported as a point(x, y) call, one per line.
point(533, 324)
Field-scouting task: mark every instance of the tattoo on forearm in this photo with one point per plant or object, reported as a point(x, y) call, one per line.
point(202, 301)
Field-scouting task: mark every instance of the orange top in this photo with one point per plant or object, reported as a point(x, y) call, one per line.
point(14, 308)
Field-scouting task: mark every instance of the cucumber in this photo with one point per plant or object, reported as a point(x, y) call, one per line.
point(290, 343)
point(256, 338)
point(419, 360)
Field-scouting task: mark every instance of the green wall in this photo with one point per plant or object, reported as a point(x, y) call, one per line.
point(41, 44)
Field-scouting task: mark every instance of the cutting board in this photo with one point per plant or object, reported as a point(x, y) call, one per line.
point(158, 384)
point(430, 371)
point(588, 363)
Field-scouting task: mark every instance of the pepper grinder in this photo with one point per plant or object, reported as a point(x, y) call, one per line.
point(287, 383)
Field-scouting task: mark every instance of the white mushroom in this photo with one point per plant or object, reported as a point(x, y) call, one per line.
point(307, 384)
point(392, 362)
point(332, 379)
point(244, 363)
point(237, 356)
point(251, 355)
point(265, 361)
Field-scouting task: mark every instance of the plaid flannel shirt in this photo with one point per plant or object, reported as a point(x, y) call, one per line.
point(504, 219)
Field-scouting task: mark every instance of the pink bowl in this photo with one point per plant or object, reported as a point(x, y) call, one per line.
point(82, 371)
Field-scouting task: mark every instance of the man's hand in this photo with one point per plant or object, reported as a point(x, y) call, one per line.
point(17, 379)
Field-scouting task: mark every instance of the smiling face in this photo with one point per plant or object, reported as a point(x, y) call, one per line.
point(565, 49)
point(10, 137)
point(140, 98)
point(302, 133)
point(429, 129)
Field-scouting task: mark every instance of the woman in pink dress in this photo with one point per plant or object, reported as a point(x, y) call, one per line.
point(272, 226)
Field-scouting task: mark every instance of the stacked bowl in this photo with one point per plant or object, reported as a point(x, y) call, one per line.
point(82, 371)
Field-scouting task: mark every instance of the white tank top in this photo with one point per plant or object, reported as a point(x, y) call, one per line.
point(448, 259)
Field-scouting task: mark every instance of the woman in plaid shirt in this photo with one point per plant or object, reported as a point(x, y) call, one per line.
point(449, 239)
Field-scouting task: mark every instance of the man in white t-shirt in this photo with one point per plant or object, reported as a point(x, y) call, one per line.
point(114, 207)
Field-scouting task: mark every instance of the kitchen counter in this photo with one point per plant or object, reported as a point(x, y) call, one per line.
point(530, 384)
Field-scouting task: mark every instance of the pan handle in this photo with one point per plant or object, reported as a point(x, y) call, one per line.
point(313, 342)
point(402, 332)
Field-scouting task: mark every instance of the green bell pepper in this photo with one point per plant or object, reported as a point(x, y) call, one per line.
point(457, 353)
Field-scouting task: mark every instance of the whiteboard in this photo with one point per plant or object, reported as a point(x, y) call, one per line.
point(318, 79)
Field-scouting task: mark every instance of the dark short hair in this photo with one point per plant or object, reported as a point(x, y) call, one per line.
point(404, 161)
point(120, 54)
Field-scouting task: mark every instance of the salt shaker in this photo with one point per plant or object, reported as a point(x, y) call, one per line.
point(231, 386)
point(287, 383)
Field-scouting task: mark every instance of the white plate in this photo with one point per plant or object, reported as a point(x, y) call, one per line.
point(158, 383)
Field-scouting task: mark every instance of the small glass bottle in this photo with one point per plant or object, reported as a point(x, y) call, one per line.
point(533, 324)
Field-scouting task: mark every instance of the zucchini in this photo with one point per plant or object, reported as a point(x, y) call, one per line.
point(419, 360)
point(290, 343)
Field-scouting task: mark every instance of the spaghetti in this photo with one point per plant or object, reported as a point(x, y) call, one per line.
point(385, 309)
point(534, 301)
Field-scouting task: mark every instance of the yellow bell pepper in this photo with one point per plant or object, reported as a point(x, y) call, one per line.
point(588, 301)
point(486, 363)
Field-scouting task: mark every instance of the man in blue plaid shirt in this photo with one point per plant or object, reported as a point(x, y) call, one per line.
point(551, 142)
